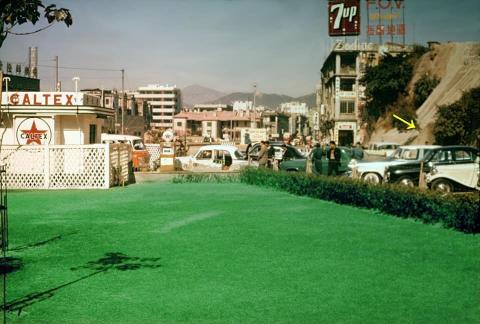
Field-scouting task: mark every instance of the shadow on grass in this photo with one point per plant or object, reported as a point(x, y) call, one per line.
point(110, 262)
point(40, 243)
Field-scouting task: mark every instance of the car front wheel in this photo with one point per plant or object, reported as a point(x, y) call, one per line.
point(442, 185)
point(406, 181)
point(372, 178)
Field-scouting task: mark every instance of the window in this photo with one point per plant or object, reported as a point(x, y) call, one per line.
point(93, 134)
point(347, 107)
point(179, 124)
point(347, 84)
point(205, 155)
point(463, 156)
point(209, 124)
point(442, 156)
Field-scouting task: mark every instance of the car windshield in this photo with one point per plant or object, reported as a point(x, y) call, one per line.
point(238, 155)
point(405, 154)
point(138, 145)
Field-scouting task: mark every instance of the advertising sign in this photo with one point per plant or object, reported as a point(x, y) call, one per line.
point(343, 17)
point(42, 99)
point(34, 130)
point(253, 135)
point(385, 18)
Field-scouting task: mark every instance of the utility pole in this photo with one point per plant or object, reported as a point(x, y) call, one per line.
point(57, 87)
point(254, 94)
point(123, 96)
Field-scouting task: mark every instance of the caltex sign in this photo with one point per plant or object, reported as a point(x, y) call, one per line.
point(34, 130)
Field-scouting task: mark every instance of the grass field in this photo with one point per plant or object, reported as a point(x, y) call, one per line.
point(230, 252)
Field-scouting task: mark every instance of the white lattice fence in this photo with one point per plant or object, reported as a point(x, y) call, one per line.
point(154, 150)
point(120, 155)
point(65, 166)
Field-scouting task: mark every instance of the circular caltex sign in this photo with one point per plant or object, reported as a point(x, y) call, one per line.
point(167, 135)
point(34, 131)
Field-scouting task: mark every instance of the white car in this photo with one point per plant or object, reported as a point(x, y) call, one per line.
point(214, 157)
point(454, 168)
point(382, 149)
point(374, 171)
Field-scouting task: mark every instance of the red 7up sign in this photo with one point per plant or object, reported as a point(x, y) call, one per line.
point(343, 17)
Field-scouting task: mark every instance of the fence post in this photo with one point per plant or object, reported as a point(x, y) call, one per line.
point(106, 149)
point(46, 165)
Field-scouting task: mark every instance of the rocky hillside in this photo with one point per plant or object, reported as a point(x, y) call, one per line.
point(458, 67)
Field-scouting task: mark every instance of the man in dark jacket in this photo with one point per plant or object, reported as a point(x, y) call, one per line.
point(333, 156)
point(317, 153)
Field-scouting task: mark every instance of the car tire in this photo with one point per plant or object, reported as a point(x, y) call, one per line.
point(406, 181)
point(372, 177)
point(442, 185)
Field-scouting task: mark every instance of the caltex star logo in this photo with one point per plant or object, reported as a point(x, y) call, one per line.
point(34, 135)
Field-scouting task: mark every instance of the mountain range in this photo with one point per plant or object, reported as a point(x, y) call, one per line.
point(196, 94)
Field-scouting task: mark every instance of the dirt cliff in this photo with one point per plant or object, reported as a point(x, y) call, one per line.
point(458, 67)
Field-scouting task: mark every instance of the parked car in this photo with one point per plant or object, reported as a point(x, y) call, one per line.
point(454, 169)
point(382, 149)
point(374, 171)
point(408, 173)
point(214, 157)
point(140, 155)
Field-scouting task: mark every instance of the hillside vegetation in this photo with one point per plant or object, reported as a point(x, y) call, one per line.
point(440, 77)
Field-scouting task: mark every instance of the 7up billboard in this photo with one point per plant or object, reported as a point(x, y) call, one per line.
point(343, 17)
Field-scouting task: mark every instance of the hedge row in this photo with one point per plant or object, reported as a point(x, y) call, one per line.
point(455, 211)
point(209, 177)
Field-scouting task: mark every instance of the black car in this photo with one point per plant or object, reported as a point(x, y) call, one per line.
point(408, 173)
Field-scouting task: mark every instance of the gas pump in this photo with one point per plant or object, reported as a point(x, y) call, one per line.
point(167, 152)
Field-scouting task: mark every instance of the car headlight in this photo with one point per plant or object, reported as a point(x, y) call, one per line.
point(353, 163)
point(434, 171)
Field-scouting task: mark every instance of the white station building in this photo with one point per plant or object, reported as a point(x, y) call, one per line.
point(54, 118)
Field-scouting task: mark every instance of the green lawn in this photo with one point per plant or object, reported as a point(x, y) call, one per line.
point(231, 252)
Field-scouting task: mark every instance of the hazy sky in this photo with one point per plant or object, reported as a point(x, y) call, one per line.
point(223, 44)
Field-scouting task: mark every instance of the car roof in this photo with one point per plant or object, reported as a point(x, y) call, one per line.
point(459, 147)
point(419, 146)
point(229, 148)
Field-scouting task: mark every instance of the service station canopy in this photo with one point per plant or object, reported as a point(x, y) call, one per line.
point(60, 103)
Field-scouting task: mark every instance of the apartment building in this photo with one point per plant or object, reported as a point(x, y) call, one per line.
point(342, 98)
point(163, 102)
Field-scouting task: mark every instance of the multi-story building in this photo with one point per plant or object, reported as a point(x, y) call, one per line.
point(294, 107)
point(163, 102)
point(341, 94)
point(242, 105)
point(214, 124)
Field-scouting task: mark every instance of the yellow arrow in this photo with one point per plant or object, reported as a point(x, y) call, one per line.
point(410, 124)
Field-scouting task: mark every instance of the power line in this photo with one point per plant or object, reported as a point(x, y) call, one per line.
point(80, 68)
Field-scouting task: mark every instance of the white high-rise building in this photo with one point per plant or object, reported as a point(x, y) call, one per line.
point(163, 101)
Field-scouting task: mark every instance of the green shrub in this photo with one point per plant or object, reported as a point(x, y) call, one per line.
point(459, 212)
point(423, 88)
point(210, 177)
point(459, 122)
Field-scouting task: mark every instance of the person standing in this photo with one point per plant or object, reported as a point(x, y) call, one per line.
point(317, 154)
point(358, 151)
point(333, 155)
point(263, 155)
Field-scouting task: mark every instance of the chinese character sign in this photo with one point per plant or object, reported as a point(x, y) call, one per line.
point(343, 17)
point(385, 18)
